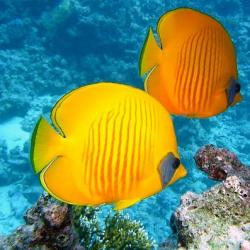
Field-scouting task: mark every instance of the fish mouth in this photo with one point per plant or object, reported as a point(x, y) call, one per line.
point(237, 99)
point(179, 173)
point(182, 171)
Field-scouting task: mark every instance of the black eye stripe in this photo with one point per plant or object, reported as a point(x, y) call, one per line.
point(237, 88)
point(176, 163)
point(232, 90)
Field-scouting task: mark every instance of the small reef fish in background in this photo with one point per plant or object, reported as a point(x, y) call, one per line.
point(194, 73)
point(112, 143)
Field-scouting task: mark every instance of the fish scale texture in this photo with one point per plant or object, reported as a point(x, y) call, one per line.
point(48, 48)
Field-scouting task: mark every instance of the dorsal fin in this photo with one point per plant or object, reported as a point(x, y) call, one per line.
point(150, 54)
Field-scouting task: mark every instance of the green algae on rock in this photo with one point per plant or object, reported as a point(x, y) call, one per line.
point(119, 232)
point(51, 224)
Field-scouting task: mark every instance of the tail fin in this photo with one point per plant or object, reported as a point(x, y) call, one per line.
point(46, 145)
point(150, 54)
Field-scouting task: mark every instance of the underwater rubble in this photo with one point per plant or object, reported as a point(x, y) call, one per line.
point(220, 217)
point(220, 163)
point(52, 225)
point(48, 226)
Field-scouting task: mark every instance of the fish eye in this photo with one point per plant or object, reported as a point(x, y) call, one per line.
point(237, 88)
point(176, 163)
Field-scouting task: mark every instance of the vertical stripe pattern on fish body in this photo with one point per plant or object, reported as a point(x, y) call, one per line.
point(113, 144)
point(195, 82)
point(116, 165)
point(192, 72)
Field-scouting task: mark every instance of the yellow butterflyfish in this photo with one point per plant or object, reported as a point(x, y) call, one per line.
point(194, 71)
point(108, 143)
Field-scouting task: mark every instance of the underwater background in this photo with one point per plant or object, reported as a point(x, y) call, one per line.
point(48, 48)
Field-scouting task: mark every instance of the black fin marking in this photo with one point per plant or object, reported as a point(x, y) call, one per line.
point(167, 168)
point(232, 90)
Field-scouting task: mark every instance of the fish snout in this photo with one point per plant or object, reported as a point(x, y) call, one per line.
point(238, 98)
point(182, 172)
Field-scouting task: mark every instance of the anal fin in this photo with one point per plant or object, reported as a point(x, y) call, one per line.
point(58, 180)
point(122, 204)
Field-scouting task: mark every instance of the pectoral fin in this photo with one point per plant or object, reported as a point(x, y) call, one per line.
point(237, 98)
point(153, 85)
point(122, 204)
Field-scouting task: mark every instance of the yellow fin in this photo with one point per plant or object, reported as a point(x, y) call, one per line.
point(68, 114)
point(150, 54)
point(55, 109)
point(46, 145)
point(58, 180)
point(122, 204)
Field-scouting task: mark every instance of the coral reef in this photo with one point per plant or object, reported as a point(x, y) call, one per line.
point(116, 231)
point(218, 218)
point(122, 233)
point(51, 224)
point(48, 226)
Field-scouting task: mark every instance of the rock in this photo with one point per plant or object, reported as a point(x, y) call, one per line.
point(169, 244)
point(49, 225)
point(54, 225)
point(55, 214)
point(218, 218)
point(219, 163)
point(245, 245)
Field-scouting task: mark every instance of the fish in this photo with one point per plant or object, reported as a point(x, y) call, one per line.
point(193, 72)
point(108, 143)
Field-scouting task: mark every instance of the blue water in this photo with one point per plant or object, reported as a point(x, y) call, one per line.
point(48, 48)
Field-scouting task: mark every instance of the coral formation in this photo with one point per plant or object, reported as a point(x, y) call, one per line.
point(58, 17)
point(117, 232)
point(218, 218)
point(122, 233)
point(51, 224)
point(48, 226)
point(219, 163)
